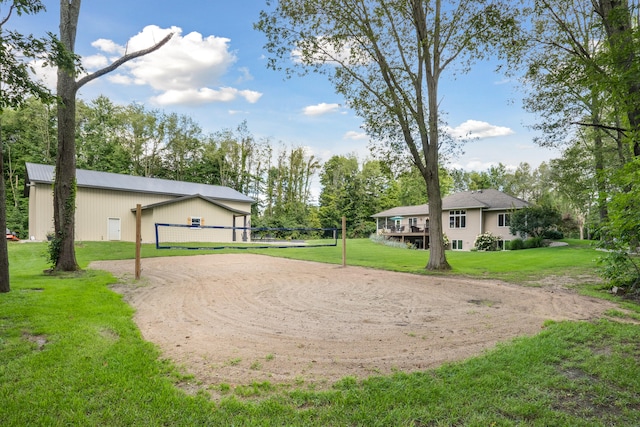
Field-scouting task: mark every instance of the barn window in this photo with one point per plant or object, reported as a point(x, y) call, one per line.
point(195, 221)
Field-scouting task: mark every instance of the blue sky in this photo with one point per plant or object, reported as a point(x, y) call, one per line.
point(214, 70)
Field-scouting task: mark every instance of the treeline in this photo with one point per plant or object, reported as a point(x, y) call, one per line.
point(293, 187)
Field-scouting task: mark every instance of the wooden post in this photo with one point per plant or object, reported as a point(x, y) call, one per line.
point(138, 238)
point(344, 241)
point(424, 237)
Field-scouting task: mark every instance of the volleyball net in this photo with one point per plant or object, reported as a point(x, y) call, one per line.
point(210, 237)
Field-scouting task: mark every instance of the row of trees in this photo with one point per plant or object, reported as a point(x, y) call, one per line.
point(132, 140)
point(293, 187)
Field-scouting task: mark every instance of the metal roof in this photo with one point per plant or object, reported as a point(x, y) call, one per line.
point(120, 182)
point(481, 199)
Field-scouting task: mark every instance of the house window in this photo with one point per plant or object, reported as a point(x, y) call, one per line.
point(456, 245)
point(195, 221)
point(504, 220)
point(413, 222)
point(457, 219)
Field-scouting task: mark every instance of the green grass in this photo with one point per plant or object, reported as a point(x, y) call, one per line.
point(70, 354)
point(576, 260)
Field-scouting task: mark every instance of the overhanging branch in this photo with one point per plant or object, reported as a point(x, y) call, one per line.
point(128, 57)
point(605, 127)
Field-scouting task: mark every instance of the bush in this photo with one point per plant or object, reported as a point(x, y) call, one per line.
point(620, 269)
point(516, 244)
point(534, 220)
point(534, 242)
point(553, 235)
point(487, 242)
point(382, 240)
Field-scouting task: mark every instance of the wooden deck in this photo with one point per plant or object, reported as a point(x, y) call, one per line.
point(414, 235)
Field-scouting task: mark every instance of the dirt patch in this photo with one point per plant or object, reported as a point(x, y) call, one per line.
point(236, 319)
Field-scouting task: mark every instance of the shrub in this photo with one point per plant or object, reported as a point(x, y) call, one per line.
point(620, 269)
point(534, 242)
point(487, 242)
point(534, 220)
point(516, 244)
point(554, 235)
point(382, 240)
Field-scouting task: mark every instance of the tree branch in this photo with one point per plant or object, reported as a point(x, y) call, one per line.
point(4, 21)
point(599, 126)
point(128, 57)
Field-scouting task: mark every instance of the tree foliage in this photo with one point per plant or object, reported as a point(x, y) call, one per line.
point(534, 221)
point(386, 58)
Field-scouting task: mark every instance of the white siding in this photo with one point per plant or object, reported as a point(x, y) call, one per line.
point(180, 213)
point(95, 206)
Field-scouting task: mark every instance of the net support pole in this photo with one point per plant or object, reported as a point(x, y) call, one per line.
point(138, 239)
point(344, 241)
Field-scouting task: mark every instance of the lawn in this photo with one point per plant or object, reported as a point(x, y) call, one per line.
point(71, 355)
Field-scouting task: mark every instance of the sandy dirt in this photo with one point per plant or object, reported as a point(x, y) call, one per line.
point(241, 318)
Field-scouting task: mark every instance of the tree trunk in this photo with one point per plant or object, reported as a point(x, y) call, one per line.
point(617, 18)
point(601, 181)
point(437, 256)
point(4, 252)
point(430, 138)
point(64, 190)
point(64, 193)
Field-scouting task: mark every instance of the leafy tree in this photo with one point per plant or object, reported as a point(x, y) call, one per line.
point(62, 251)
point(570, 79)
point(336, 197)
point(461, 180)
point(620, 22)
point(621, 235)
point(574, 182)
point(99, 132)
point(16, 86)
point(386, 57)
point(181, 138)
point(28, 132)
point(411, 188)
point(288, 189)
point(534, 221)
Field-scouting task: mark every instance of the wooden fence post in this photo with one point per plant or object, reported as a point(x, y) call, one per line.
point(138, 239)
point(344, 241)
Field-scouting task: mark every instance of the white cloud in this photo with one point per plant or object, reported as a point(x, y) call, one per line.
point(108, 46)
point(322, 50)
point(204, 95)
point(356, 136)
point(94, 62)
point(120, 79)
point(320, 109)
point(245, 75)
point(502, 82)
point(475, 164)
point(478, 129)
point(187, 70)
point(47, 75)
